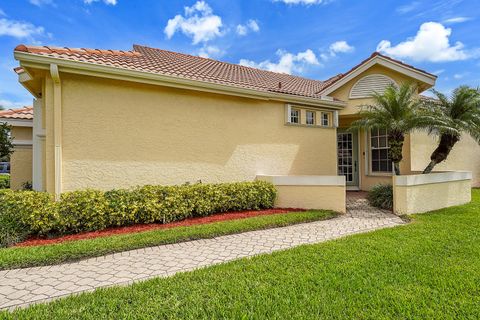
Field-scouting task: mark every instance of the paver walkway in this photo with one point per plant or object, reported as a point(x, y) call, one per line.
point(21, 287)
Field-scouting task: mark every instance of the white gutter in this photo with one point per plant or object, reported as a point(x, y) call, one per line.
point(91, 69)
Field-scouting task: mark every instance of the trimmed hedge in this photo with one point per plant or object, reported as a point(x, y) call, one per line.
point(88, 210)
point(4, 181)
point(381, 196)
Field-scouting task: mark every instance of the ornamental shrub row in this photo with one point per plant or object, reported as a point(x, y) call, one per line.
point(36, 213)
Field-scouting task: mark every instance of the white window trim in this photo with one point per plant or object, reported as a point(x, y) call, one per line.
point(299, 118)
point(314, 117)
point(369, 157)
point(322, 114)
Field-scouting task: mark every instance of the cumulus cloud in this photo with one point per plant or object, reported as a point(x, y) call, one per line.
point(211, 52)
point(335, 48)
point(109, 2)
point(19, 29)
point(431, 43)
point(287, 62)
point(244, 29)
point(198, 23)
point(306, 2)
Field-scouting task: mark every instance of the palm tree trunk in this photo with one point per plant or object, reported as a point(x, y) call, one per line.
point(396, 166)
point(430, 167)
point(395, 144)
point(447, 141)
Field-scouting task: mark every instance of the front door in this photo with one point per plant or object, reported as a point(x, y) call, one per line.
point(347, 148)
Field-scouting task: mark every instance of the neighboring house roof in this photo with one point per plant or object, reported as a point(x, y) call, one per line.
point(182, 65)
point(25, 113)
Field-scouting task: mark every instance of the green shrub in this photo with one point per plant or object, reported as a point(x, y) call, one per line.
point(89, 210)
point(23, 213)
point(4, 181)
point(381, 196)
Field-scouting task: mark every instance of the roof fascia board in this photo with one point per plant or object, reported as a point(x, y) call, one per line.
point(17, 122)
point(410, 72)
point(90, 69)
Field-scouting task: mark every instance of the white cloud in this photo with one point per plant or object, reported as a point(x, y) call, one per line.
point(244, 29)
point(8, 104)
point(109, 2)
point(438, 72)
point(459, 76)
point(341, 47)
point(211, 52)
point(40, 3)
point(287, 62)
point(408, 7)
point(431, 43)
point(19, 29)
point(306, 2)
point(199, 23)
point(457, 20)
point(336, 47)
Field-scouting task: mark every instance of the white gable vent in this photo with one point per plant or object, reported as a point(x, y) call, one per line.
point(367, 85)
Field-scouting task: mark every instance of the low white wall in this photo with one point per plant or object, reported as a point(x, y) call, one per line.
point(309, 192)
point(426, 192)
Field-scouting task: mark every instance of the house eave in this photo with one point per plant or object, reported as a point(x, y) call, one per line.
point(424, 77)
point(90, 69)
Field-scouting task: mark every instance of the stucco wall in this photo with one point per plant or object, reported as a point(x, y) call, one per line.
point(465, 155)
point(21, 159)
point(309, 192)
point(20, 167)
point(343, 93)
point(121, 134)
point(416, 194)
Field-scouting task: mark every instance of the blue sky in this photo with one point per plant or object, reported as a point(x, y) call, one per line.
point(311, 38)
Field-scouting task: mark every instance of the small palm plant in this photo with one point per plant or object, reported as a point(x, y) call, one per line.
point(455, 115)
point(399, 111)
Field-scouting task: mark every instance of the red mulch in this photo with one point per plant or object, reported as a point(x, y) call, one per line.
point(38, 241)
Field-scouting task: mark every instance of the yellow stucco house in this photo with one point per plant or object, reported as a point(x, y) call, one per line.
point(21, 122)
point(109, 119)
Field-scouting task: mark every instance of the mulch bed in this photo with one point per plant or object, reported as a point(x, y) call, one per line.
point(38, 241)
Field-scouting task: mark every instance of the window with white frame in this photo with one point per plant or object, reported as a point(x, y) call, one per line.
point(294, 115)
point(325, 119)
point(380, 160)
point(310, 118)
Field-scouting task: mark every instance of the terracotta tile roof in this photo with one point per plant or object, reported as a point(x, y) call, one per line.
point(163, 62)
point(336, 78)
point(25, 113)
point(186, 66)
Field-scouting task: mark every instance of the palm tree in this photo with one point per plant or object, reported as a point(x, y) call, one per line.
point(397, 110)
point(459, 114)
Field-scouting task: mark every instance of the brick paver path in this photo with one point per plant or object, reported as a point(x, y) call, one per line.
point(21, 287)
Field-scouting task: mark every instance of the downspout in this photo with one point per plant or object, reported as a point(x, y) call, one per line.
point(57, 128)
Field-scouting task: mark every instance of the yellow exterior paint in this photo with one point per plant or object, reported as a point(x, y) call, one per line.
point(20, 167)
point(353, 105)
point(465, 155)
point(312, 197)
point(428, 197)
point(121, 134)
point(21, 159)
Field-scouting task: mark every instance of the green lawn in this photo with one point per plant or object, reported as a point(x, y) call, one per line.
point(75, 250)
point(429, 269)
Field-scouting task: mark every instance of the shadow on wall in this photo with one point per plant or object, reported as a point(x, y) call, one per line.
point(245, 163)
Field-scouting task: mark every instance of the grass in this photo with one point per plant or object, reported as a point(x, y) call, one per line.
point(74, 250)
point(429, 269)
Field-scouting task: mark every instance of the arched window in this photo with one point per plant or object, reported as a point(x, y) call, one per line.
point(370, 84)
